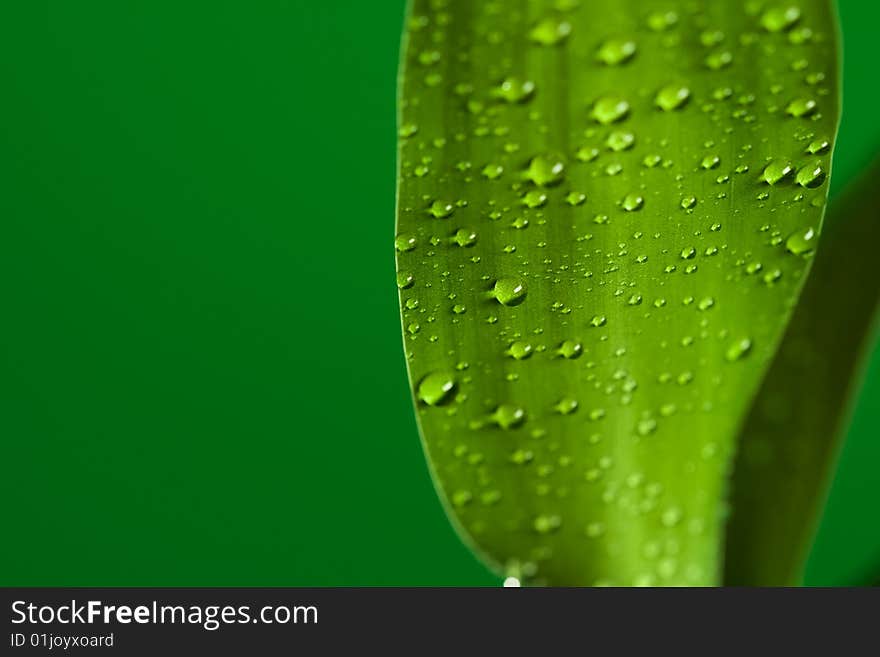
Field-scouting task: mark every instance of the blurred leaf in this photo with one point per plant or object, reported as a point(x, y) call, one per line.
point(605, 214)
point(791, 438)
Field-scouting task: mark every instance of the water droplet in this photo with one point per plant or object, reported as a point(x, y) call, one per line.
point(610, 109)
point(520, 350)
point(587, 153)
point(671, 516)
point(545, 524)
point(620, 140)
point(672, 97)
point(492, 171)
point(802, 241)
point(405, 280)
point(780, 17)
point(811, 175)
point(509, 291)
point(818, 146)
point(598, 320)
point(441, 209)
point(550, 32)
point(575, 198)
point(407, 130)
point(511, 583)
point(616, 51)
point(801, 107)
point(465, 237)
point(566, 406)
point(545, 170)
point(739, 349)
point(719, 59)
point(436, 388)
point(570, 349)
point(711, 37)
point(534, 199)
point(659, 21)
point(515, 90)
point(706, 303)
point(646, 427)
point(688, 252)
point(461, 498)
point(776, 171)
point(405, 242)
point(688, 202)
point(508, 416)
point(594, 529)
point(710, 162)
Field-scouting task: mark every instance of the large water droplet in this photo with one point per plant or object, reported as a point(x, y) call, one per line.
point(811, 175)
point(509, 291)
point(441, 209)
point(545, 170)
point(776, 171)
point(436, 388)
point(801, 241)
point(610, 109)
point(405, 242)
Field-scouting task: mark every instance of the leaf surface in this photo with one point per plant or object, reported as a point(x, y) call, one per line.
point(791, 438)
point(605, 214)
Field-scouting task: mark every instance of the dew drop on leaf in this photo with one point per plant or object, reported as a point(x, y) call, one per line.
point(436, 388)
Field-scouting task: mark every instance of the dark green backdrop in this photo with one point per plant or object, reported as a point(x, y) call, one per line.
point(201, 376)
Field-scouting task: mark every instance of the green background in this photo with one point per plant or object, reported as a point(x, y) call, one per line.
point(201, 372)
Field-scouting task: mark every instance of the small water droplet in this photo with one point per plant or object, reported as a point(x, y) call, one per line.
point(620, 140)
point(550, 32)
point(598, 320)
point(441, 209)
point(566, 406)
point(575, 198)
point(515, 90)
point(801, 107)
point(672, 97)
point(738, 349)
point(546, 524)
point(534, 199)
point(405, 280)
point(818, 146)
point(688, 202)
point(616, 51)
point(610, 109)
point(508, 416)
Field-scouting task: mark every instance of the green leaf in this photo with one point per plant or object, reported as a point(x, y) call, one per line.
point(605, 214)
point(791, 438)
